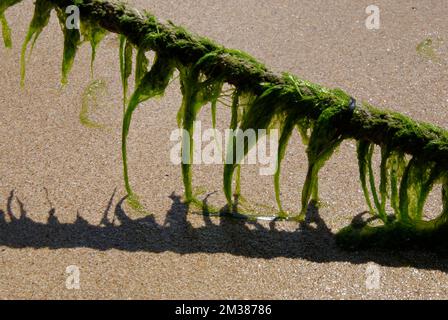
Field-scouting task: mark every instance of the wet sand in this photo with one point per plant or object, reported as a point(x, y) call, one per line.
point(61, 186)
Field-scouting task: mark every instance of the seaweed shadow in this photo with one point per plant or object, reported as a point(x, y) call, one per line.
point(312, 240)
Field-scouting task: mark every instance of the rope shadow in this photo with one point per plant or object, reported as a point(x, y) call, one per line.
point(312, 240)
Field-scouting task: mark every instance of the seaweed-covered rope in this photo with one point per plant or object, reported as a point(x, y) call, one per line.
point(324, 117)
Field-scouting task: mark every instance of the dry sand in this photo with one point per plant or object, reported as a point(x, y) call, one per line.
point(57, 177)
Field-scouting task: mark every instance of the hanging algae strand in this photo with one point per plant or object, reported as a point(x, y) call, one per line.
point(151, 85)
point(285, 135)
point(323, 142)
point(41, 17)
point(95, 89)
point(71, 43)
point(90, 31)
point(94, 34)
point(194, 98)
point(6, 31)
point(125, 67)
point(256, 116)
point(196, 92)
point(234, 125)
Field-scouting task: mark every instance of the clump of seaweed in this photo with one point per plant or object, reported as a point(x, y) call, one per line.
point(95, 90)
point(94, 34)
point(427, 49)
point(413, 154)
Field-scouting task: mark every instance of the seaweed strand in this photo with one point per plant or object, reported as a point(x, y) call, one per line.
point(285, 135)
point(6, 31)
point(151, 85)
point(125, 52)
point(72, 39)
point(41, 17)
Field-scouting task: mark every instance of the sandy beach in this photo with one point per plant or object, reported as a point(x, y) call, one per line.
point(61, 182)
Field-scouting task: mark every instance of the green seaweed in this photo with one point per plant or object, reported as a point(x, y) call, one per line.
point(418, 180)
point(187, 115)
point(125, 52)
point(389, 175)
point(234, 120)
point(427, 49)
point(324, 140)
point(384, 173)
point(72, 40)
point(285, 135)
point(233, 162)
point(41, 17)
point(94, 34)
point(151, 85)
point(397, 166)
point(141, 66)
point(264, 100)
point(194, 97)
point(95, 89)
point(411, 231)
point(5, 4)
point(258, 114)
point(363, 151)
point(376, 199)
point(196, 92)
point(6, 31)
point(304, 125)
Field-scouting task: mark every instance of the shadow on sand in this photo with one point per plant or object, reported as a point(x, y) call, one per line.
point(312, 241)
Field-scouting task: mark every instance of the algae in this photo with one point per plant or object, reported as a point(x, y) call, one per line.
point(96, 90)
point(41, 17)
point(6, 31)
point(151, 85)
point(428, 49)
point(264, 100)
point(72, 40)
point(94, 34)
